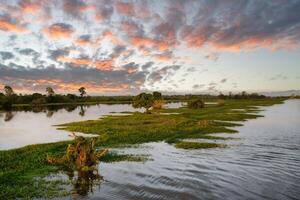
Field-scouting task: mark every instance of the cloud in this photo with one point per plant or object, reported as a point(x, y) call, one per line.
point(235, 25)
point(165, 56)
point(54, 54)
point(5, 55)
point(59, 31)
point(117, 51)
point(74, 7)
point(140, 38)
point(104, 10)
point(125, 8)
point(198, 86)
point(29, 6)
point(147, 65)
point(28, 52)
point(163, 73)
point(105, 65)
point(84, 40)
point(223, 80)
point(9, 24)
point(278, 77)
point(131, 67)
point(212, 56)
point(69, 78)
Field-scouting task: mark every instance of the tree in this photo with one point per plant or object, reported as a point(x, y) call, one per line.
point(82, 91)
point(143, 100)
point(157, 95)
point(196, 104)
point(8, 91)
point(158, 100)
point(244, 94)
point(50, 91)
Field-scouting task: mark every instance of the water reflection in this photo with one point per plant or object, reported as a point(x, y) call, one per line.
point(33, 125)
point(82, 111)
point(8, 116)
point(85, 181)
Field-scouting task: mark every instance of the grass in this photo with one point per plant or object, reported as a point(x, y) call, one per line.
point(20, 168)
point(140, 128)
point(196, 145)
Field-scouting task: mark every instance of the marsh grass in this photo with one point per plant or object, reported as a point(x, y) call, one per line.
point(197, 145)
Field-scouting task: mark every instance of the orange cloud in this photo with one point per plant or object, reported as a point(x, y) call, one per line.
point(125, 8)
point(105, 65)
point(143, 41)
point(112, 37)
point(29, 6)
point(62, 86)
point(163, 57)
point(59, 31)
point(6, 25)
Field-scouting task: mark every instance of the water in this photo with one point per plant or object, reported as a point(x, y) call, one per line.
point(21, 128)
point(263, 164)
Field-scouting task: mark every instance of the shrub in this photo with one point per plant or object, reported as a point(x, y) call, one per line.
point(196, 104)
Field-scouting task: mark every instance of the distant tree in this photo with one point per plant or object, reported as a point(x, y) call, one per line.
point(196, 104)
point(8, 91)
point(82, 91)
point(221, 96)
point(244, 94)
point(158, 100)
point(143, 100)
point(50, 91)
point(157, 95)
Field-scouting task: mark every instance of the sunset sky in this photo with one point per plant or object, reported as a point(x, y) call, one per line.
point(124, 47)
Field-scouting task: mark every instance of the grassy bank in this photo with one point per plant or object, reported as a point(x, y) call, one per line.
point(20, 169)
point(170, 125)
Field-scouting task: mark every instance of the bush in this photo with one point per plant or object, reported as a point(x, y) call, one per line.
point(196, 104)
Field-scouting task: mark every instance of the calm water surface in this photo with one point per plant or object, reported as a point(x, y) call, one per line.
point(264, 163)
point(21, 128)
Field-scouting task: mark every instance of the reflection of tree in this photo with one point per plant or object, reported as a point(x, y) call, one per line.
point(37, 109)
point(84, 181)
point(8, 116)
point(49, 114)
point(70, 108)
point(82, 111)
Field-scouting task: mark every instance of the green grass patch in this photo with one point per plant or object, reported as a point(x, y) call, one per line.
point(196, 145)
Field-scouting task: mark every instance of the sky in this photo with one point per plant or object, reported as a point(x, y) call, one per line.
point(173, 46)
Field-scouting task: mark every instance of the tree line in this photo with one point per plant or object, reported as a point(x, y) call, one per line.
point(9, 97)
